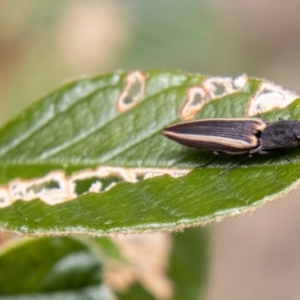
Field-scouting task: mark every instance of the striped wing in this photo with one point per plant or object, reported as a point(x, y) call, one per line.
point(234, 136)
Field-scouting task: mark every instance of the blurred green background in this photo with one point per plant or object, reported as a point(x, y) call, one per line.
point(46, 43)
point(43, 44)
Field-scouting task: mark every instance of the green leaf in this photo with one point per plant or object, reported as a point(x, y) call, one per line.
point(136, 291)
point(69, 268)
point(108, 249)
point(50, 268)
point(93, 150)
point(189, 264)
point(181, 276)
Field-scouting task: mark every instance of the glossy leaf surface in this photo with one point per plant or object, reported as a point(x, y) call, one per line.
point(50, 268)
point(69, 268)
point(97, 143)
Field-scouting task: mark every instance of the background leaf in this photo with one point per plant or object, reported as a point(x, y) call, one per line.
point(104, 134)
point(50, 268)
point(69, 268)
point(189, 264)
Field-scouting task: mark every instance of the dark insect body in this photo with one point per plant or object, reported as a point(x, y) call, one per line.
point(236, 135)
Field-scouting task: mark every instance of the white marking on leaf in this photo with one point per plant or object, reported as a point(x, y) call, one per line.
point(211, 89)
point(110, 186)
point(132, 92)
point(5, 199)
point(221, 86)
point(39, 188)
point(96, 187)
point(240, 82)
point(268, 97)
point(56, 187)
point(195, 100)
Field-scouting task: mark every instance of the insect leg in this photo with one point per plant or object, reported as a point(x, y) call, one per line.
point(276, 152)
point(236, 165)
point(287, 158)
point(216, 153)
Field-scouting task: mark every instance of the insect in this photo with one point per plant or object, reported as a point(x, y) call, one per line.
point(236, 135)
